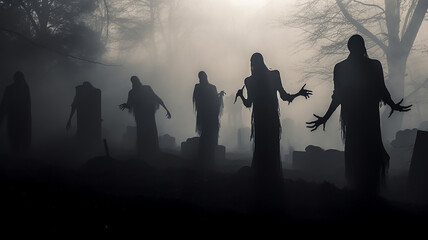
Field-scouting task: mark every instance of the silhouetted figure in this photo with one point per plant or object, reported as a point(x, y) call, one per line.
point(143, 103)
point(87, 104)
point(16, 108)
point(359, 87)
point(262, 87)
point(208, 105)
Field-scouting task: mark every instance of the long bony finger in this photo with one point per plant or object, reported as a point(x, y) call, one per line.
point(303, 86)
point(315, 128)
point(390, 113)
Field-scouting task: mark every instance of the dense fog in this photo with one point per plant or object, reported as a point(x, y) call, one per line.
point(167, 50)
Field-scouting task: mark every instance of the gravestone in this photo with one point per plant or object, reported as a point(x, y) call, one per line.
point(88, 107)
point(319, 164)
point(166, 142)
point(418, 172)
point(401, 150)
point(189, 149)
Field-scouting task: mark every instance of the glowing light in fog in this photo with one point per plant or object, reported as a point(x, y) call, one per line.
point(249, 2)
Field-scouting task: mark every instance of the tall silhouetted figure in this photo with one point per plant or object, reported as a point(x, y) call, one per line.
point(359, 87)
point(143, 103)
point(87, 104)
point(16, 108)
point(208, 105)
point(262, 87)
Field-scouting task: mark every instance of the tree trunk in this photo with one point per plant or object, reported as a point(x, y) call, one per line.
point(154, 49)
point(395, 83)
point(397, 54)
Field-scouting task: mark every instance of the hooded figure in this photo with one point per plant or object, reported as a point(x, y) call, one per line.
point(87, 103)
point(262, 87)
point(208, 105)
point(16, 108)
point(143, 103)
point(359, 87)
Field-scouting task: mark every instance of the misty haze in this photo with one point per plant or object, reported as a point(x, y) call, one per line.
point(117, 115)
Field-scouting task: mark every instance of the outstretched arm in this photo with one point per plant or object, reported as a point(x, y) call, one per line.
point(246, 101)
point(399, 107)
point(221, 94)
point(290, 97)
point(168, 114)
point(126, 105)
point(123, 106)
point(335, 102)
point(386, 96)
point(322, 120)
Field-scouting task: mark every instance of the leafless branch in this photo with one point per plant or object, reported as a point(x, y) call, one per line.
point(359, 26)
point(370, 5)
point(107, 17)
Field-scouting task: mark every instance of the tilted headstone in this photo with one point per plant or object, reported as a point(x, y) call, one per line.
point(418, 172)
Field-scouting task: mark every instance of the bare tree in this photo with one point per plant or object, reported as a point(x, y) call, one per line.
point(156, 25)
point(61, 26)
point(390, 28)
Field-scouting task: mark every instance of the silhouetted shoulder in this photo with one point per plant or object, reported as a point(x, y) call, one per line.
point(213, 87)
point(341, 67)
point(249, 80)
point(275, 73)
point(375, 62)
point(341, 64)
point(148, 89)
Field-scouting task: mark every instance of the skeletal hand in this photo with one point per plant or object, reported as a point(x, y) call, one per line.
point(304, 92)
point(123, 106)
point(316, 123)
point(400, 108)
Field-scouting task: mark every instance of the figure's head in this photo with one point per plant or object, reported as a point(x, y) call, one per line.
point(135, 81)
point(18, 77)
point(87, 84)
point(203, 78)
point(356, 45)
point(257, 63)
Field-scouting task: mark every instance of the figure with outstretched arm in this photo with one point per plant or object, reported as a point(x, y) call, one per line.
point(208, 105)
point(143, 103)
point(124, 106)
point(87, 105)
point(262, 87)
point(283, 94)
point(359, 86)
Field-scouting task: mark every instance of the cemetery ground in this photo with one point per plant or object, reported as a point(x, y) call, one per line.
point(128, 195)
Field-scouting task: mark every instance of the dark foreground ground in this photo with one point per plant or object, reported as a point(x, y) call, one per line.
point(107, 195)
